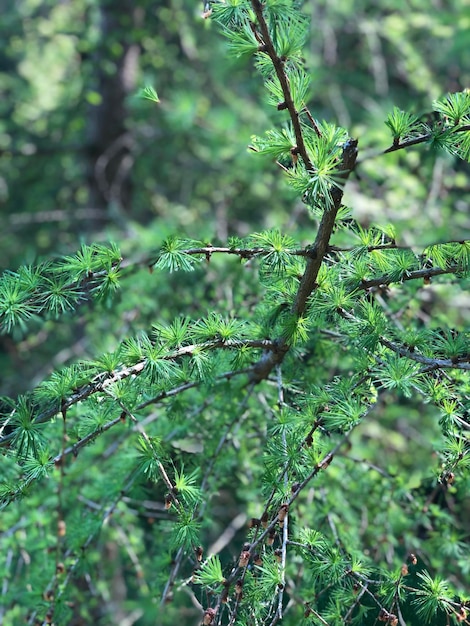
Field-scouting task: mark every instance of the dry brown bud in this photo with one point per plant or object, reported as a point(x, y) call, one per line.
point(295, 154)
point(61, 528)
point(224, 595)
point(254, 522)
point(383, 615)
point(271, 536)
point(283, 513)
point(199, 552)
point(462, 614)
point(209, 615)
point(168, 501)
point(264, 520)
point(239, 587)
point(48, 595)
point(278, 555)
point(244, 559)
point(412, 559)
point(404, 569)
point(60, 568)
point(257, 560)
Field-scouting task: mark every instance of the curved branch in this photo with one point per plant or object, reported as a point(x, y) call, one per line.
point(429, 361)
point(315, 259)
point(278, 65)
point(425, 273)
point(102, 381)
point(409, 143)
point(421, 139)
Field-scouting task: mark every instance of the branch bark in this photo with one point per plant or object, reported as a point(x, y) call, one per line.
point(308, 284)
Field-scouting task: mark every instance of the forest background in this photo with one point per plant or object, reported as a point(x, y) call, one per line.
point(84, 158)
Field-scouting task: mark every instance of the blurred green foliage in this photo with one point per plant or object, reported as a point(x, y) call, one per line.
point(184, 168)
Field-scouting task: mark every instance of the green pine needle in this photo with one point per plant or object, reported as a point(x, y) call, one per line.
point(149, 93)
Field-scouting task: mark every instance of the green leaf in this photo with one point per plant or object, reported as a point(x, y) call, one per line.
point(175, 335)
point(149, 452)
point(242, 42)
point(16, 304)
point(186, 532)
point(276, 143)
point(232, 14)
point(433, 596)
point(37, 467)
point(398, 373)
point(455, 106)
point(185, 486)
point(149, 93)
point(210, 573)
point(217, 327)
point(28, 436)
point(403, 125)
point(173, 258)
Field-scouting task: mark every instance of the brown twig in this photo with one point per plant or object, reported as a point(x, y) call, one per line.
point(104, 380)
point(315, 258)
point(409, 143)
point(278, 65)
point(429, 361)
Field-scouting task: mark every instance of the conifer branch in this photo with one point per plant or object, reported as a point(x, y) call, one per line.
point(322, 465)
point(351, 342)
point(320, 246)
point(278, 65)
point(198, 513)
point(317, 253)
point(102, 381)
point(107, 512)
point(84, 441)
point(285, 516)
point(208, 251)
point(422, 139)
point(460, 363)
point(409, 143)
point(425, 273)
point(139, 428)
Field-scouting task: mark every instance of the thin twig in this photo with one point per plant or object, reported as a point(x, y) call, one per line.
point(419, 358)
point(101, 381)
point(198, 512)
point(285, 521)
point(409, 143)
point(425, 273)
point(278, 65)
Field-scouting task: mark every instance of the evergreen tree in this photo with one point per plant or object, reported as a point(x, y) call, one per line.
point(299, 453)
